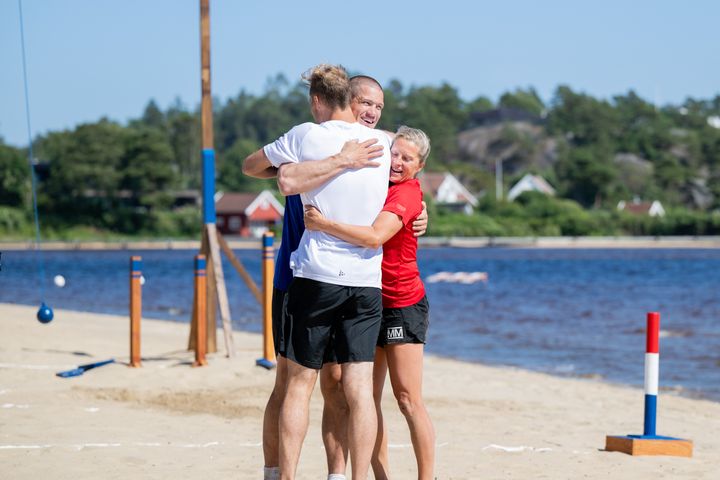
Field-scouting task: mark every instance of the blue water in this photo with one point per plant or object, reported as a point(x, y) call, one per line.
point(566, 312)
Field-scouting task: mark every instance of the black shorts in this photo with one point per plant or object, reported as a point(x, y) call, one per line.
point(405, 324)
point(319, 312)
point(278, 320)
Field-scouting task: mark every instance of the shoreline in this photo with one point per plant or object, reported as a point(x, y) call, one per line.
point(620, 242)
point(592, 376)
point(169, 420)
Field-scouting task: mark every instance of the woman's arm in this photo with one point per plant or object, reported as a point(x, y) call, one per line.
point(383, 228)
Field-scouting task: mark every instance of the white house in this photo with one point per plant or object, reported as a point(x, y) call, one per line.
point(448, 192)
point(530, 183)
point(653, 209)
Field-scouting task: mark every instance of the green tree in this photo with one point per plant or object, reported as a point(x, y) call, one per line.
point(440, 113)
point(14, 176)
point(582, 120)
point(184, 139)
point(527, 100)
point(146, 168)
point(84, 171)
point(586, 175)
point(230, 176)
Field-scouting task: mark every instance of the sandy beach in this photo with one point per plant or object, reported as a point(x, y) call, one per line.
point(169, 420)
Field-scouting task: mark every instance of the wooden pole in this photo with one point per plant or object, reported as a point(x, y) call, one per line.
point(240, 268)
point(216, 285)
point(135, 309)
point(206, 101)
point(268, 270)
point(200, 298)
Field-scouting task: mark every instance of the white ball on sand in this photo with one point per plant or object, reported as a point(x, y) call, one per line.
point(59, 281)
point(142, 280)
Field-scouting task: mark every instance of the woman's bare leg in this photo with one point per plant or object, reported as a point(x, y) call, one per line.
point(405, 364)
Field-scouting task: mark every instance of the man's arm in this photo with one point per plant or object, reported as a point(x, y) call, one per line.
point(301, 177)
point(258, 165)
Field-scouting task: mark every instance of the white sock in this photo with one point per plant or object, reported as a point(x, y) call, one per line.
point(271, 473)
point(336, 476)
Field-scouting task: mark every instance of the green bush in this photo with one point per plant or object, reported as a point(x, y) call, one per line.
point(13, 223)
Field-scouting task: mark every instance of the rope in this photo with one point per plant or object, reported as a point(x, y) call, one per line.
point(38, 250)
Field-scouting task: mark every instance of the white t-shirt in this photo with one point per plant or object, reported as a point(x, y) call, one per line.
point(354, 196)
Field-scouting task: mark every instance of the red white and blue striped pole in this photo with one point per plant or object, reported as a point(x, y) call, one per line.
point(652, 373)
point(650, 443)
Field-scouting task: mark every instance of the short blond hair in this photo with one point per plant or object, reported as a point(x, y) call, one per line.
point(416, 137)
point(330, 83)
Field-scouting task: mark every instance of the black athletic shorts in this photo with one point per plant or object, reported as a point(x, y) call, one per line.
point(317, 311)
point(405, 324)
point(278, 320)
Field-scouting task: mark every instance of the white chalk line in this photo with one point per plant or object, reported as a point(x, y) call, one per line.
point(21, 366)
point(521, 448)
point(82, 446)
point(409, 445)
point(12, 405)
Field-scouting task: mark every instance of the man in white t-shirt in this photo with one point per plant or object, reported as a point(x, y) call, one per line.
point(337, 285)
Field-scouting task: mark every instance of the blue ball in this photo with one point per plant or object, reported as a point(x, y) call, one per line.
point(45, 314)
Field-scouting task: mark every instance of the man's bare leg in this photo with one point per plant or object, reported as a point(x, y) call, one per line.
point(405, 364)
point(380, 461)
point(334, 418)
point(294, 416)
point(271, 428)
point(362, 425)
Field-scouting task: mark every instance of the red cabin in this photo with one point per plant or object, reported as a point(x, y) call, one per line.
point(247, 214)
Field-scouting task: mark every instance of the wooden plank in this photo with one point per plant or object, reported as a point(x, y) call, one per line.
point(221, 291)
point(240, 268)
point(676, 447)
point(211, 303)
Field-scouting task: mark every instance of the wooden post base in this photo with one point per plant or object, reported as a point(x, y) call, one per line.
point(638, 445)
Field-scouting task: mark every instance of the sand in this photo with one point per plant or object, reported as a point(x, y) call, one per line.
point(168, 420)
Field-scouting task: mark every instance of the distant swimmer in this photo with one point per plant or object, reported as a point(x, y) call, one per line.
point(458, 277)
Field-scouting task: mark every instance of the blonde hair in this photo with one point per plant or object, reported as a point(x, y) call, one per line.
point(416, 137)
point(330, 83)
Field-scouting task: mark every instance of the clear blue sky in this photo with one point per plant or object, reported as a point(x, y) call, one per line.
point(93, 58)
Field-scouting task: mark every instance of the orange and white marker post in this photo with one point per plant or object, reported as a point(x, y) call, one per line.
point(200, 311)
point(135, 309)
point(268, 270)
